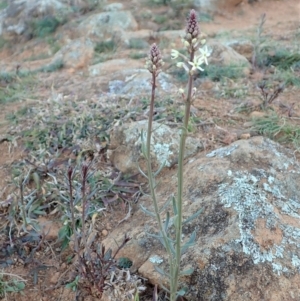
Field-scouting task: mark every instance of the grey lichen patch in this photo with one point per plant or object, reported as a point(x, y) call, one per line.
point(128, 140)
point(257, 197)
point(222, 152)
point(163, 153)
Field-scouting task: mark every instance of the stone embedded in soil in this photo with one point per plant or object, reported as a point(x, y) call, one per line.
point(76, 54)
point(54, 278)
point(104, 232)
point(107, 23)
point(247, 238)
point(223, 55)
point(126, 144)
point(244, 48)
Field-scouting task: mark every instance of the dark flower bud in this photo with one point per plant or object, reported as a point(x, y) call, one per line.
point(192, 27)
point(154, 61)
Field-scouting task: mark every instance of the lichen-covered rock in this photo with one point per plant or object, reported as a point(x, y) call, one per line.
point(129, 80)
point(216, 5)
point(126, 146)
point(223, 55)
point(77, 54)
point(19, 16)
point(248, 236)
point(116, 6)
point(101, 24)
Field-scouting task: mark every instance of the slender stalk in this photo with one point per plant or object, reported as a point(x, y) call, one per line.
point(180, 178)
point(152, 185)
point(70, 175)
point(84, 175)
point(22, 202)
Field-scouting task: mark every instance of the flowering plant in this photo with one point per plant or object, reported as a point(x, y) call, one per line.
point(173, 245)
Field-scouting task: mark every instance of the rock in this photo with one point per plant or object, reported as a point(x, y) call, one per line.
point(126, 146)
point(171, 35)
point(54, 278)
point(134, 81)
point(247, 237)
point(17, 18)
point(244, 48)
point(223, 55)
point(77, 54)
point(216, 5)
point(107, 23)
point(113, 6)
point(49, 228)
point(111, 67)
point(257, 114)
point(143, 34)
point(140, 78)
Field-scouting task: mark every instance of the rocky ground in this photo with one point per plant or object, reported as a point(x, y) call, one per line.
point(73, 87)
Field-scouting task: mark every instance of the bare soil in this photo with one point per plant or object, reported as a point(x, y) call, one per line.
point(50, 269)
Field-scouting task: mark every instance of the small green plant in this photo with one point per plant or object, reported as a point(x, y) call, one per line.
point(173, 244)
point(16, 86)
point(257, 57)
point(278, 128)
point(57, 65)
point(217, 73)
point(269, 94)
point(124, 263)
point(283, 59)
point(287, 77)
point(3, 42)
point(92, 271)
point(160, 19)
point(136, 55)
point(3, 4)
point(14, 285)
point(106, 46)
point(135, 43)
point(45, 26)
point(74, 284)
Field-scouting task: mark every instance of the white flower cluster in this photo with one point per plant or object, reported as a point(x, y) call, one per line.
point(198, 61)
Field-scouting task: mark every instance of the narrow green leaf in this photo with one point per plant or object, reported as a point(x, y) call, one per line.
point(193, 216)
point(182, 291)
point(159, 237)
point(144, 147)
point(11, 289)
point(154, 235)
point(146, 211)
point(189, 243)
point(165, 289)
point(36, 179)
point(175, 221)
point(161, 271)
point(107, 255)
point(172, 249)
point(165, 205)
point(167, 221)
point(142, 173)
point(20, 285)
point(160, 168)
point(187, 272)
point(39, 212)
point(174, 206)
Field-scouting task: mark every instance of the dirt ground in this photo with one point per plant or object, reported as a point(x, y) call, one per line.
point(50, 269)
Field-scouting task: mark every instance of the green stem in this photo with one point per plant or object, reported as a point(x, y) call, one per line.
point(152, 186)
point(180, 178)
